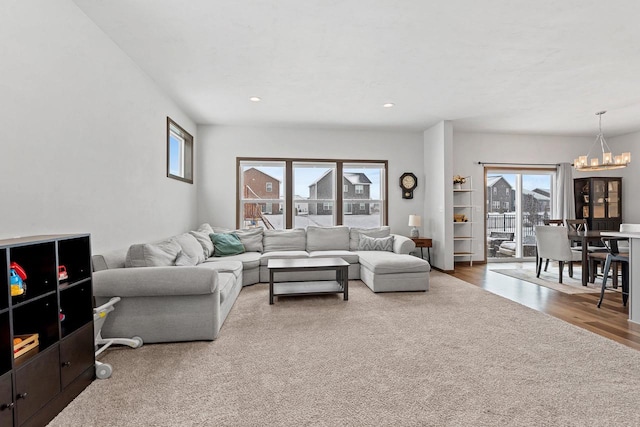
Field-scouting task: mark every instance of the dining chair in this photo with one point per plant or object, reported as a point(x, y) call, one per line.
point(558, 222)
point(615, 256)
point(552, 243)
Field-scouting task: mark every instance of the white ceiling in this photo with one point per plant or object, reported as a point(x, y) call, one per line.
point(520, 66)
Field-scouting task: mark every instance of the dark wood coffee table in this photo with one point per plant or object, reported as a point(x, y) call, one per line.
point(316, 287)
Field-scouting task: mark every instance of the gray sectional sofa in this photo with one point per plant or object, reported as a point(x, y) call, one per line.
point(177, 289)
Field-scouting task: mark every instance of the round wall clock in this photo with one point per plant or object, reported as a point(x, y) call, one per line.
point(408, 183)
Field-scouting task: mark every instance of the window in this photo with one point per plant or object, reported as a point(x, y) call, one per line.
point(307, 192)
point(261, 203)
point(369, 204)
point(505, 205)
point(496, 204)
point(179, 153)
point(495, 190)
point(507, 191)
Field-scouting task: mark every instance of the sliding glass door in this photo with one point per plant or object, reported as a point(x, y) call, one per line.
point(516, 200)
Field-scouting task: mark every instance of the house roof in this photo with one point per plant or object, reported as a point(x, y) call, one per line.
point(493, 180)
point(263, 173)
point(352, 177)
point(357, 178)
point(535, 195)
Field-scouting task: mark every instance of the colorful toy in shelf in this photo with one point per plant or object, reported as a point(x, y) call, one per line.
point(18, 276)
point(62, 273)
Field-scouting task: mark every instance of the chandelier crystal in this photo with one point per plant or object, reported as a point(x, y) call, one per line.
point(609, 161)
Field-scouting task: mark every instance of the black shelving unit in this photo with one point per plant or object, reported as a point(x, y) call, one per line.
point(36, 385)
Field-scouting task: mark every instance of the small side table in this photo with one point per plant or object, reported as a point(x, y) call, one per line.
point(423, 242)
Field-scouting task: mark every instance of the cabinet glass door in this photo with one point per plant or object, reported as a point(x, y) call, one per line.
point(599, 197)
point(613, 198)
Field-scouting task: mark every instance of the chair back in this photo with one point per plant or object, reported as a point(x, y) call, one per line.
point(630, 228)
point(623, 245)
point(553, 243)
point(577, 224)
point(553, 222)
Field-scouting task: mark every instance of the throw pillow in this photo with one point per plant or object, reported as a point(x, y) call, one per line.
point(184, 260)
point(226, 244)
point(205, 228)
point(375, 244)
point(251, 239)
point(190, 246)
point(205, 241)
point(152, 254)
point(355, 233)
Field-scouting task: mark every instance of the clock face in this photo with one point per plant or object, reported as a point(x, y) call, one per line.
point(408, 182)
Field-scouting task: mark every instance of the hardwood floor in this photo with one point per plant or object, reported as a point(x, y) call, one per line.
point(609, 321)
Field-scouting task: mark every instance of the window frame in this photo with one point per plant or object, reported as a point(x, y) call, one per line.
point(269, 187)
point(288, 190)
point(186, 152)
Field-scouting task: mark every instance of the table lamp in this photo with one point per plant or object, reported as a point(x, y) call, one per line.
point(415, 221)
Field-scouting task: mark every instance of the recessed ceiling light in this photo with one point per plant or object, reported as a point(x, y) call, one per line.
point(255, 99)
point(388, 105)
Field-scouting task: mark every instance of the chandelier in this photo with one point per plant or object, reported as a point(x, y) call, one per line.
point(583, 163)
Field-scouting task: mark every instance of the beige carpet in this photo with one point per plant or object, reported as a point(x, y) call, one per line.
point(549, 279)
point(454, 356)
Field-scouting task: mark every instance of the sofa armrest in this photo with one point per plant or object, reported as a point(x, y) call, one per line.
point(154, 281)
point(403, 244)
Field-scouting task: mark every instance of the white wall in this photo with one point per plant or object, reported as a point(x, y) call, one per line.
point(84, 139)
point(471, 148)
point(438, 206)
point(220, 145)
point(630, 175)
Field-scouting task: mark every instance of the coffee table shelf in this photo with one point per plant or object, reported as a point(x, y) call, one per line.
point(311, 287)
point(306, 288)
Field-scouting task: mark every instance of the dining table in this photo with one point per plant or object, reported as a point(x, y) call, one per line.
point(584, 238)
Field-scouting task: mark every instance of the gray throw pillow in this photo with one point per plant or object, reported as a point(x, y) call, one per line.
point(205, 241)
point(251, 239)
point(205, 228)
point(190, 246)
point(375, 244)
point(152, 254)
point(355, 233)
point(184, 260)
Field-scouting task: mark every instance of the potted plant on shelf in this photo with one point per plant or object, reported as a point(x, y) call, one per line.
point(458, 181)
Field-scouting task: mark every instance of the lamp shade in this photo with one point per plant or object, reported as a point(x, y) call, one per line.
point(415, 221)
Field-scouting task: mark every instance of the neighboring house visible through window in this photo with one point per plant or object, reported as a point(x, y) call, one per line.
point(179, 152)
point(309, 192)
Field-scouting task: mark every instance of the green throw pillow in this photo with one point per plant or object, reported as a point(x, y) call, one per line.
point(226, 244)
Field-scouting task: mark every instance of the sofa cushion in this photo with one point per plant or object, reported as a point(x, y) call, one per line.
point(327, 238)
point(190, 246)
point(264, 259)
point(249, 260)
point(251, 239)
point(380, 262)
point(226, 244)
point(367, 243)
point(157, 254)
point(354, 235)
point(284, 240)
point(350, 257)
point(205, 241)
